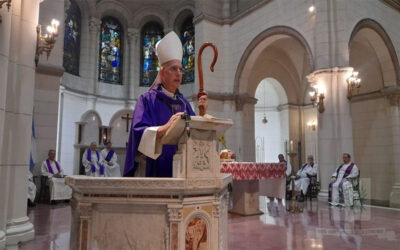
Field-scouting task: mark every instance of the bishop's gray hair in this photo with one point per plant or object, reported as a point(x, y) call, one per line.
point(348, 155)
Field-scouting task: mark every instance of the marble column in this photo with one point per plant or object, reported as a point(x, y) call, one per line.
point(17, 51)
point(5, 29)
point(335, 135)
point(395, 115)
point(134, 54)
point(94, 33)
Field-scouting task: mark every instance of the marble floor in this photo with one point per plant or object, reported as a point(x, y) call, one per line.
point(318, 227)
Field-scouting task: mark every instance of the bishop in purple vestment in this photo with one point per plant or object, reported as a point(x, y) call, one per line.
point(157, 109)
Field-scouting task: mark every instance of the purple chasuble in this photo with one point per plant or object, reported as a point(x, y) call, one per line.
point(154, 108)
point(347, 173)
point(109, 155)
point(93, 168)
point(51, 169)
point(305, 165)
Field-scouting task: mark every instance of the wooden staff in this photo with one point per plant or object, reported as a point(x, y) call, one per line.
point(200, 68)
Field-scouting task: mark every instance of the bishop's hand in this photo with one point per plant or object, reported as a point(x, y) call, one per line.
point(202, 102)
point(163, 129)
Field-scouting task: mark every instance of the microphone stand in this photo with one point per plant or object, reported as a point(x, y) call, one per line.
point(186, 115)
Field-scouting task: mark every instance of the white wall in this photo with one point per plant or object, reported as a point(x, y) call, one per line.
point(271, 96)
point(74, 108)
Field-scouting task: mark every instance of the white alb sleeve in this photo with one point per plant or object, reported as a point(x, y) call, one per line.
point(149, 145)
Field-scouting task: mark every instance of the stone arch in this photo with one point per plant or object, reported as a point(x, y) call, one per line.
point(180, 17)
point(259, 43)
point(116, 115)
point(118, 126)
point(116, 10)
point(146, 15)
point(91, 127)
point(374, 36)
point(282, 53)
point(91, 111)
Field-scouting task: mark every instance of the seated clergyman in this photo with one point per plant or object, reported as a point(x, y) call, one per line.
point(340, 188)
point(92, 161)
point(288, 173)
point(303, 176)
point(52, 169)
point(31, 190)
point(111, 167)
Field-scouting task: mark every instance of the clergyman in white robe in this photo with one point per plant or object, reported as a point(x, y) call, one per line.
point(31, 188)
point(93, 163)
point(340, 188)
point(58, 189)
point(275, 188)
point(302, 180)
point(111, 167)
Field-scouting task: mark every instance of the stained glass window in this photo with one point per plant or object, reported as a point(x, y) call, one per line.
point(110, 59)
point(151, 34)
point(72, 39)
point(187, 37)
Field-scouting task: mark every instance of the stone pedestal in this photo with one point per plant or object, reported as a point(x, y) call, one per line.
point(187, 211)
point(245, 197)
point(148, 213)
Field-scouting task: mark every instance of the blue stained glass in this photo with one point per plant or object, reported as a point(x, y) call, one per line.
point(187, 37)
point(72, 39)
point(110, 59)
point(151, 34)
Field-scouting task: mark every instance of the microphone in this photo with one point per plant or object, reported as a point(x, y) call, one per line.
point(186, 115)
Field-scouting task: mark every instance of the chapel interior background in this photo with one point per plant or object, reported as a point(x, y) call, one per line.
point(104, 59)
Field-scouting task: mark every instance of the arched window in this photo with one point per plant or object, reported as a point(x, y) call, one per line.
point(151, 34)
point(72, 39)
point(110, 59)
point(187, 37)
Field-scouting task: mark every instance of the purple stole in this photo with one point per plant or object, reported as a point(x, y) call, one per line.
point(109, 155)
point(305, 165)
point(348, 171)
point(51, 169)
point(89, 158)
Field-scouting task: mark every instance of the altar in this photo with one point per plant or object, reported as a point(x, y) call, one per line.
point(250, 180)
point(188, 211)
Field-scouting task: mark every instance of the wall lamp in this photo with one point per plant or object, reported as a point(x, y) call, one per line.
point(312, 125)
point(45, 43)
point(353, 83)
point(8, 6)
point(317, 97)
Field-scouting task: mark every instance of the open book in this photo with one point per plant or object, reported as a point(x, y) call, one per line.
point(176, 130)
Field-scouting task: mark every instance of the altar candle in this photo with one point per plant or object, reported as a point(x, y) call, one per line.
point(291, 146)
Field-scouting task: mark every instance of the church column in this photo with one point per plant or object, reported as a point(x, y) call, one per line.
point(16, 133)
point(94, 32)
point(335, 135)
point(5, 29)
point(395, 115)
point(134, 55)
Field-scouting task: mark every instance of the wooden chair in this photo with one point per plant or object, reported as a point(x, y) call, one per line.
point(313, 188)
point(43, 189)
point(355, 182)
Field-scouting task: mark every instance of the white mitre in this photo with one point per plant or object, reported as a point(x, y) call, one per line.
point(169, 48)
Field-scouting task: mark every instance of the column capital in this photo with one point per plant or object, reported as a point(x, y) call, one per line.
point(313, 77)
point(394, 99)
point(94, 24)
point(67, 4)
point(167, 30)
point(133, 35)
